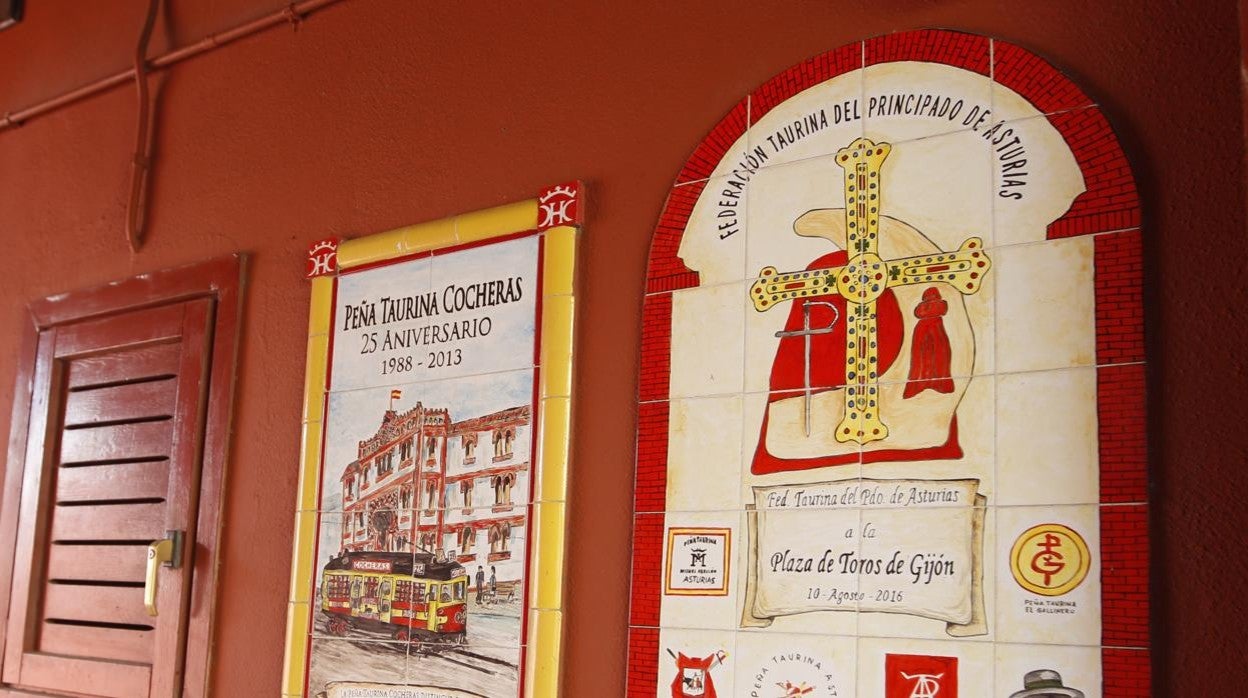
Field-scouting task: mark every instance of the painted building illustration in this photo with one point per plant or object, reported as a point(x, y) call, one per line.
point(459, 490)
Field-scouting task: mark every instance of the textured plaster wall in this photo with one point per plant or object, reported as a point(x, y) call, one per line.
point(375, 114)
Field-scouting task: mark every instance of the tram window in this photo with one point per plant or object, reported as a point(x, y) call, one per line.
point(446, 593)
point(459, 591)
point(336, 586)
point(385, 587)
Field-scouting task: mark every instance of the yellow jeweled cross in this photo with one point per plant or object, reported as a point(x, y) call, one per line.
point(863, 280)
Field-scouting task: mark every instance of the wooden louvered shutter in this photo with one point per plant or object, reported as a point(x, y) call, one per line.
point(113, 454)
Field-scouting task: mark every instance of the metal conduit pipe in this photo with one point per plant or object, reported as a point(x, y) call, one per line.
point(292, 13)
point(135, 209)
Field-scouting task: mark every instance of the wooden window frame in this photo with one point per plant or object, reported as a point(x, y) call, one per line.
point(220, 279)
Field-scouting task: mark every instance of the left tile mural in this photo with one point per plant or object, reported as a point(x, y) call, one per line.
point(429, 467)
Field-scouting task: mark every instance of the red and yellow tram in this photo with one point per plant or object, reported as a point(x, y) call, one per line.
point(412, 597)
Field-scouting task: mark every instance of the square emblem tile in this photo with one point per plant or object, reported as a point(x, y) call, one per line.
point(1049, 575)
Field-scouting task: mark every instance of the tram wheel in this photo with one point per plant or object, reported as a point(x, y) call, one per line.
point(337, 626)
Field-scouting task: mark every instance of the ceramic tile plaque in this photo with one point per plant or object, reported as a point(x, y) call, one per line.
point(891, 424)
point(429, 532)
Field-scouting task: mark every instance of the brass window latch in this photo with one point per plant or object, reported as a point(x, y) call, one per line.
point(166, 552)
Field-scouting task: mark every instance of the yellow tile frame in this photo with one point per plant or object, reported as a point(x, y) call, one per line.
point(548, 519)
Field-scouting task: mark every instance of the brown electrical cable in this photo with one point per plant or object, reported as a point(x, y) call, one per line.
point(135, 209)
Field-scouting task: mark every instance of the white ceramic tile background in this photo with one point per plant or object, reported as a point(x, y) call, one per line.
point(710, 359)
point(720, 223)
point(339, 659)
point(1047, 449)
point(1035, 179)
point(497, 675)
point(1046, 305)
point(773, 664)
point(692, 454)
point(913, 99)
point(941, 185)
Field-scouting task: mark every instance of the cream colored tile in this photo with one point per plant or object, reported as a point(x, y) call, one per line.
point(355, 660)
point(714, 241)
point(801, 571)
point(1047, 438)
point(704, 437)
point(1035, 177)
point(949, 99)
point(1045, 305)
point(796, 214)
point(707, 354)
point(1036, 547)
point(777, 449)
point(939, 186)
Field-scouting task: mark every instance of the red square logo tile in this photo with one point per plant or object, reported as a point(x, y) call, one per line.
point(920, 676)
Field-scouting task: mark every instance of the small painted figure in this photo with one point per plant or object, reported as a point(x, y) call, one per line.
point(929, 350)
point(480, 584)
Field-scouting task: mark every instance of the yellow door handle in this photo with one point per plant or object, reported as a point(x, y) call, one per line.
point(166, 552)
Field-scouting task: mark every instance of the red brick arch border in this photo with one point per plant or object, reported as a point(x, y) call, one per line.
point(1108, 209)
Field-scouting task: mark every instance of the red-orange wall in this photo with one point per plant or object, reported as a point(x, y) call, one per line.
point(379, 113)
